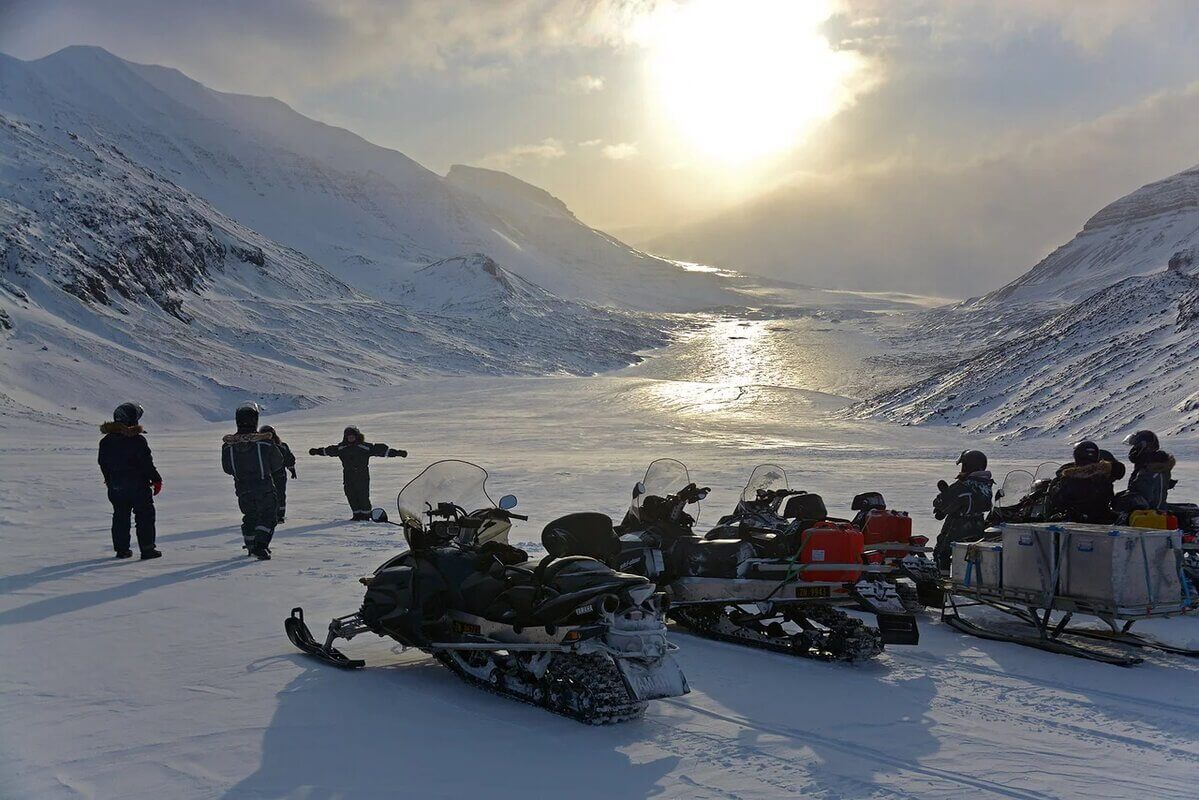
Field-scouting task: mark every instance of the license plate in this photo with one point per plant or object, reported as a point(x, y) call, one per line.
point(811, 591)
point(649, 682)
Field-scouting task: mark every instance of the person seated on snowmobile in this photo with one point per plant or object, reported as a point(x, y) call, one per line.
point(1151, 470)
point(289, 465)
point(131, 478)
point(355, 454)
point(1082, 490)
point(963, 505)
point(253, 459)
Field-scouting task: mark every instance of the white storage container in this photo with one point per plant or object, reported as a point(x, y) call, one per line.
point(977, 565)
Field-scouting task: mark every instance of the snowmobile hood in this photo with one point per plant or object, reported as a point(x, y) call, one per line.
point(121, 428)
point(252, 436)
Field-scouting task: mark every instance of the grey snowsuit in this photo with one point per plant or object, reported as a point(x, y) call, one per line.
point(253, 460)
point(963, 505)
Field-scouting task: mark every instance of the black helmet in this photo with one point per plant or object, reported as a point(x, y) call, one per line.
point(127, 413)
point(1141, 442)
point(246, 416)
point(1086, 452)
point(972, 461)
point(351, 429)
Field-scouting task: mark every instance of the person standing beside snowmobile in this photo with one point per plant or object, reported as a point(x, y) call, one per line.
point(963, 505)
point(355, 454)
point(253, 460)
point(132, 480)
point(1083, 489)
point(289, 465)
point(1151, 469)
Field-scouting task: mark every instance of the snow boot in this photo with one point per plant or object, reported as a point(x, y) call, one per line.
point(124, 554)
point(149, 554)
point(360, 516)
point(261, 552)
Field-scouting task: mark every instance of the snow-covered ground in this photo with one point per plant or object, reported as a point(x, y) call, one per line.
point(173, 678)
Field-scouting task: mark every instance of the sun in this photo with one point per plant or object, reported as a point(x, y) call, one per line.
point(739, 80)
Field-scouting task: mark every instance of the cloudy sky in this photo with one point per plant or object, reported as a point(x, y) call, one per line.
point(941, 145)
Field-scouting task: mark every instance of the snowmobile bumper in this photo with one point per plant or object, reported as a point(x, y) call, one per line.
point(896, 624)
point(651, 680)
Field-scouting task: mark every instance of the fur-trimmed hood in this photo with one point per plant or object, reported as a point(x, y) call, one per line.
point(982, 475)
point(251, 436)
point(121, 428)
point(1164, 463)
point(1100, 469)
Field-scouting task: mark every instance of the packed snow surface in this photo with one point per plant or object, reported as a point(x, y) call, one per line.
point(173, 678)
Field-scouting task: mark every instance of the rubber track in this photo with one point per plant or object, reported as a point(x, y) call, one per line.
point(869, 642)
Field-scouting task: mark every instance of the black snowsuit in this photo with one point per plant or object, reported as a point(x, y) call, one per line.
point(254, 460)
point(1084, 493)
point(964, 505)
point(1151, 478)
point(128, 469)
point(355, 470)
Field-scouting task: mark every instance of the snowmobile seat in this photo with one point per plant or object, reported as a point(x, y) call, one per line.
point(806, 506)
point(583, 534)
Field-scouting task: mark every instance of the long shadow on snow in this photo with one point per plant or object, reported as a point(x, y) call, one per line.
point(867, 727)
point(234, 530)
point(64, 604)
point(415, 730)
point(15, 583)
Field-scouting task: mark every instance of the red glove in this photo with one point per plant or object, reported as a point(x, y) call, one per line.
point(157, 487)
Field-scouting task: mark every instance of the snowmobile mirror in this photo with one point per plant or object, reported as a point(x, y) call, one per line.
point(638, 489)
point(508, 501)
point(378, 515)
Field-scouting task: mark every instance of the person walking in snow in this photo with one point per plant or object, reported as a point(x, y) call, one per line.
point(132, 480)
point(963, 505)
point(289, 465)
point(355, 454)
point(1151, 479)
point(253, 459)
point(1083, 490)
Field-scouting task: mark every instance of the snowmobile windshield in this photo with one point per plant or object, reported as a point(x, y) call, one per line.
point(664, 477)
point(766, 478)
point(459, 482)
point(1047, 471)
point(1016, 487)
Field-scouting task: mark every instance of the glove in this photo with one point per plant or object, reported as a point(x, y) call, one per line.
point(393, 453)
point(942, 487)
point(314, 451)
point(157, 487)
point(292, 470)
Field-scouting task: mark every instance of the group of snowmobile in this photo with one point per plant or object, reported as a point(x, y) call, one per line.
point(583, 633)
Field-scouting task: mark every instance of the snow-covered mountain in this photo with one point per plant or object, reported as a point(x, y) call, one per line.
point(1136, 235)
point(115, 283)
point(1098, 338)
point(367, 214)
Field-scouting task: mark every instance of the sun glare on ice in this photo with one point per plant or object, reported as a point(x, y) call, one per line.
point(744, 79)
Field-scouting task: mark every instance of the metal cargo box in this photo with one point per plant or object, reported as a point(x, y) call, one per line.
point(1029, 557)
point(1120, 567)
point(977, 565)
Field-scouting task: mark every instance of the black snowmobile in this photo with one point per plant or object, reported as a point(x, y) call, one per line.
point(569, 634)
point(751, 589)
point(1024, 496)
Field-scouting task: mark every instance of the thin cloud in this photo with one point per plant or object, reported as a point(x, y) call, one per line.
point(548, 149)
point(585, 84)
point(591, 143)
point(620, 151)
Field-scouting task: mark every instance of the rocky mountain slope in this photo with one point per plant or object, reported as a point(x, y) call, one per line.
point(1098, 338)
point(369, 215)
point(115, 282)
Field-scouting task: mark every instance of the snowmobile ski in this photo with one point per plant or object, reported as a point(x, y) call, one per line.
point(301, 637)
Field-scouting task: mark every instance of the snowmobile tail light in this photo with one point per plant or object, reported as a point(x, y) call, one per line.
point(572, 636)
point(920, 541)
